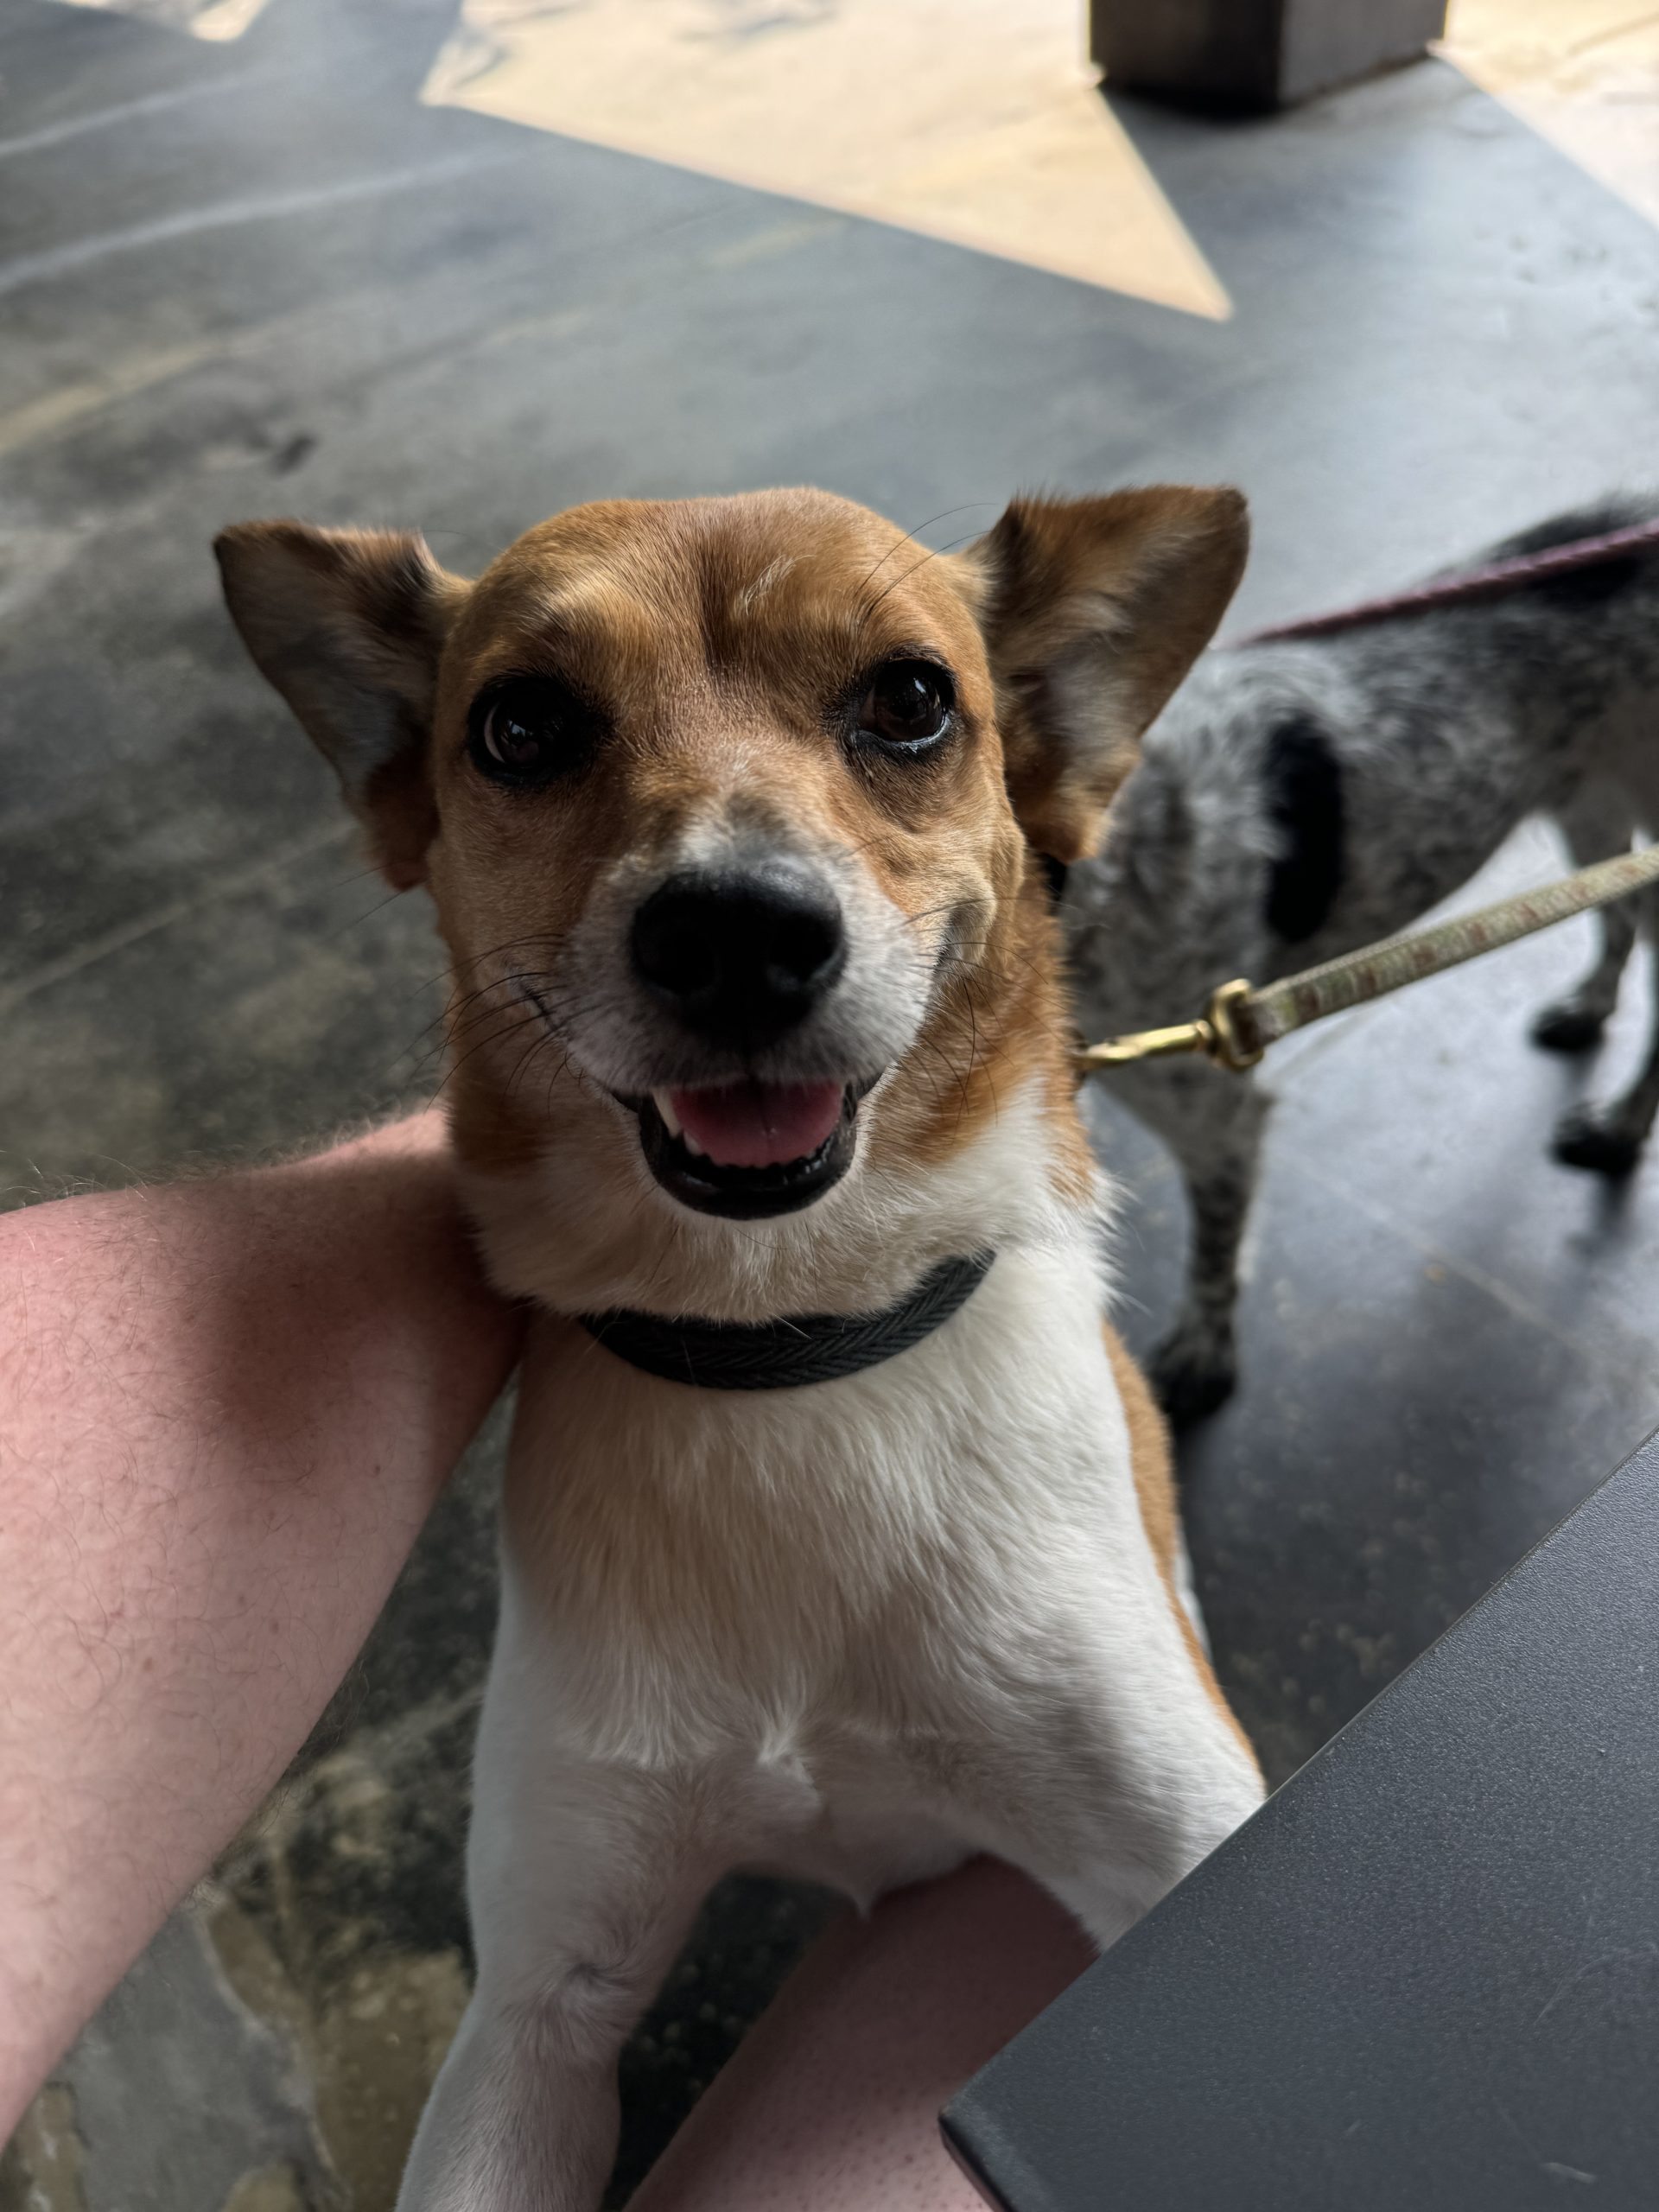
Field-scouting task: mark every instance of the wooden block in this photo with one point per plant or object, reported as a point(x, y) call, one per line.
point(1255, 54)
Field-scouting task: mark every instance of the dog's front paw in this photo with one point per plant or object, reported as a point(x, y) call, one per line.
point(1193, 1370)
point(1585, 1138)
point(1569, 1026)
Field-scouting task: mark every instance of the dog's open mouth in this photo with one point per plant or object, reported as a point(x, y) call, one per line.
point(749, 1149)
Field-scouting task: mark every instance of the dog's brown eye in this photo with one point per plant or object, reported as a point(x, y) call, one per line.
point(907, 707)
point(527, 730)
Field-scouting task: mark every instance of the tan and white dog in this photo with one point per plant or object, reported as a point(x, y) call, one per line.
point(731, 811)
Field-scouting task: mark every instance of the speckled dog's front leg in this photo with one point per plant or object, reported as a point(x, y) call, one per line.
point(1212, 1122)
point(1597, 823)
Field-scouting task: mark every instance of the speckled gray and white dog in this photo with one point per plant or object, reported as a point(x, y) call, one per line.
point(1298, 799)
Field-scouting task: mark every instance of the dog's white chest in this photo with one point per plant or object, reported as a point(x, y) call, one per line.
point(786, 1570)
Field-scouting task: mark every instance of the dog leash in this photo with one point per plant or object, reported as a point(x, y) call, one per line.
point(1240, 1021)
point(1498, 577)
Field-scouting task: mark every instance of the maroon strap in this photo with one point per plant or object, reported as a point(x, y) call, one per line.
point(1474, 583)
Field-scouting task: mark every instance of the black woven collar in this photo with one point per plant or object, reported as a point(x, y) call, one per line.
point(802, 1348)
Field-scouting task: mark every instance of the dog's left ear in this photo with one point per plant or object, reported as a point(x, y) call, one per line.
point(349, 625)
point(1093, 610)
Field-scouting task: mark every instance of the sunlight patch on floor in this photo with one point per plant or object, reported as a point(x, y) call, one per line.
point(219, 20)
point(1583, 74)
point(977, 121)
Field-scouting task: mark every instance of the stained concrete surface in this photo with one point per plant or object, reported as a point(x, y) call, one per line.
point(262, 278)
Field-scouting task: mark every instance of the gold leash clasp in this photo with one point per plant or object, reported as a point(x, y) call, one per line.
point(1222, 1033)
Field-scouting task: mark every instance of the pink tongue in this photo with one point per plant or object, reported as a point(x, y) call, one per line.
point(758, 1124)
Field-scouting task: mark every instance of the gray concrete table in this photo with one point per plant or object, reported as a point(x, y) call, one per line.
point(1426, 1976)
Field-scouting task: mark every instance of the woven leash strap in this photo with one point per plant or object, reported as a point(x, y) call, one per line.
point(1241, 1022)
point(1277, 1008)
point(801, 1348)
point(1490, 582)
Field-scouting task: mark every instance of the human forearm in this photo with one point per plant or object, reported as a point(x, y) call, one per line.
point(831, 2103)
point(224, 1409)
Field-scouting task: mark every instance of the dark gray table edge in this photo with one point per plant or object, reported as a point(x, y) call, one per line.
point(973, 2142)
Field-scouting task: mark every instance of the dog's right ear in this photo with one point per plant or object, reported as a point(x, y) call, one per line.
point(349, 626)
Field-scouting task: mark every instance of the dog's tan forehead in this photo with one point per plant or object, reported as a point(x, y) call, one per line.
point(673, 575)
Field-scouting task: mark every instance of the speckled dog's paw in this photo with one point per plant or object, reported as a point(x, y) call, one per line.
point(1193, 1371)
point(1585, 1138)
point(1570, 1025)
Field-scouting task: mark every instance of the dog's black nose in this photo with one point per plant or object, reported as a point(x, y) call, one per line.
point(742, 953)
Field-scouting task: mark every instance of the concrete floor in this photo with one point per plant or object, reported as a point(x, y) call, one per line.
point(257, 277)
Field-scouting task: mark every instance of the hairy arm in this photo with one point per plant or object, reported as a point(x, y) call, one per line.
point(226, 1408)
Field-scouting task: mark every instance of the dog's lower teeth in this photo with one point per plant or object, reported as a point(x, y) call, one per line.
point(659, 1099)
point(688, 1141)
